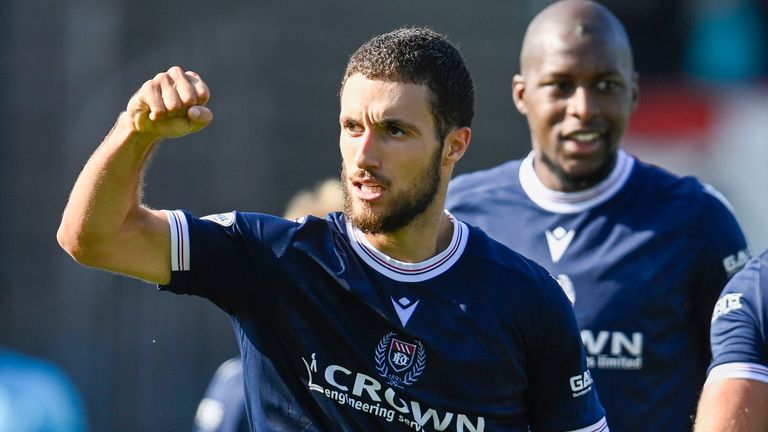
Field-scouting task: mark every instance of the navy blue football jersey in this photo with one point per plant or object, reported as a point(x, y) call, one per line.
point(336, 336)
point(222, 409)
point(740, 325)
point(643, 256)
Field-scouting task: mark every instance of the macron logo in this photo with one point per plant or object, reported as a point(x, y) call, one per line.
point(404, 308)
point(558, 241)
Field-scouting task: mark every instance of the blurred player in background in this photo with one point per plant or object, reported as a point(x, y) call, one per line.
point(36, 396)
point(642, 254)
point(222, 408)
point(735, 396)
point(390, 315)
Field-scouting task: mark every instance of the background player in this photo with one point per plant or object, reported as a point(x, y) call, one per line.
point(393, 312)
point(642, 254)
point(735, 396)
point(37, 396)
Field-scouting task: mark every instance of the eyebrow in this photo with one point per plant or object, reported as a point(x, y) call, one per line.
point(387, 122)
point(398, 124)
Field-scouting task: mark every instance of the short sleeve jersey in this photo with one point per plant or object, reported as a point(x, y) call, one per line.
point(336, 336)
point(740, 325)
point(643, 255)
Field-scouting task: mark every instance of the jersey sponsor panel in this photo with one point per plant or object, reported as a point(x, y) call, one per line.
point(735, 262)
point(613, 349)
point(399, 362)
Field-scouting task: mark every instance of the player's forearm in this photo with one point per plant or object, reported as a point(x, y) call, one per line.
point(105, 199)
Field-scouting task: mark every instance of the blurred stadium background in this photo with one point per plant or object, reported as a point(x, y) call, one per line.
point(142, 359)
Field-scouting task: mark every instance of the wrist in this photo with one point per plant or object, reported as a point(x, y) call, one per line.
point(125, 131)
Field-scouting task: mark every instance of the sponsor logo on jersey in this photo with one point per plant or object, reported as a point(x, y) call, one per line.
point(400, 362)
point(567, 285)
point(558, 241)
point(223, 219)
point(613, 349)
point(404, 308)
point(734, 263)
point(581, 384)
point(727, 304)
point(367, 394)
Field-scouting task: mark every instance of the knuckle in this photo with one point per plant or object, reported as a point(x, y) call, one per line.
point(173, 105)
point(189, 99)
point(149, 85)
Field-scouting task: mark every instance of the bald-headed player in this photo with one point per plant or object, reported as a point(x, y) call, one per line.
point(642, 253)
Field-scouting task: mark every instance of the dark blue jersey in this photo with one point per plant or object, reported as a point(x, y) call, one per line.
point(643, 255)
point(222, 409)
point(740, 325)
point(336, 336)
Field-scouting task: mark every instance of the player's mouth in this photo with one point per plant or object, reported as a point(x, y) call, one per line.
point(583, 142)
point(367, 189)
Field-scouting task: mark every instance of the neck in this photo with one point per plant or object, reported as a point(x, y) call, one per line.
point(555, 178)
point(424, 237)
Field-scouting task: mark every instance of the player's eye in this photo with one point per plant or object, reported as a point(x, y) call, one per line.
point(352, 127)
point(560, 86)
point(607, 85)
point(395, 131)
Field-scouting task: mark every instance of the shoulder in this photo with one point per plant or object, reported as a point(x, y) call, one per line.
point(502, 175)
point(746, 288)
point(687, 196)
point(521, 272)
point(739, 324)
point(654, 180)
point(265, 225)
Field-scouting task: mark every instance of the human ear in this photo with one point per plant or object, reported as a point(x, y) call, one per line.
point(518, 91)
point(456, 144)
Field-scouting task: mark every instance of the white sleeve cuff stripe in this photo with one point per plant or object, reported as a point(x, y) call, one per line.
point(177, 223)
point(600, 426)
point(752, 371)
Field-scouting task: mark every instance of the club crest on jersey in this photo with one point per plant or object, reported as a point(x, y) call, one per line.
point(398, 361)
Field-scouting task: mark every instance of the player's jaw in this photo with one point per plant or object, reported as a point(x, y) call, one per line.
point(373, 205)
point(581, 156)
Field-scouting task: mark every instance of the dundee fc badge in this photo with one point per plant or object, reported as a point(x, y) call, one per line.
point(398, 361)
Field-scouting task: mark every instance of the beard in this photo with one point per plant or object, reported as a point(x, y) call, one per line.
point(407, 205)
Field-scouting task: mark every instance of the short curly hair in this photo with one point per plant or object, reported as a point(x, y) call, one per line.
point(419, 55)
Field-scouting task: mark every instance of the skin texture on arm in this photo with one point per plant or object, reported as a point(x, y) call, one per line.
point(733, 405)
point(104, 224)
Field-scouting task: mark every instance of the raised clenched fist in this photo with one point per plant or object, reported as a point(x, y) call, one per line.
point(171, 104)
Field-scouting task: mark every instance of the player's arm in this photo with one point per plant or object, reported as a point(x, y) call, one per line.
point(734, 405)
point(104, 224)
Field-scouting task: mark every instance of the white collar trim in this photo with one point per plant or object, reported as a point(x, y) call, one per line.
point(575, 202)
point(410, 272)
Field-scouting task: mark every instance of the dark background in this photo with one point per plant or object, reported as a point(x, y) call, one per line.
point(142, 359)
